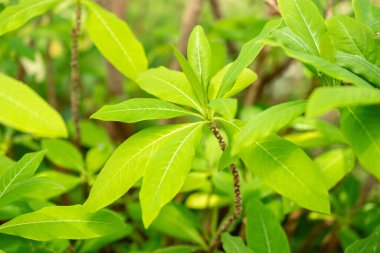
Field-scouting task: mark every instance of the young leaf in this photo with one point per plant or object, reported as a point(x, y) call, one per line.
point(303, 18)
point(62, 222)
point(199, 56)
point(335, 164)
point(324, 99)
point(64, 154)
point(23, 169)
point(367, 13)
point(138, 109)
point(367, 245)
point(16, 16)
point(195, 83)
point(179, 222)
point(248, 53)
point(23, 109)
point(226, 107)
point(234, 244)
point(115, 41)
point(167, 171)
point(264, 232)
point(290, 40)
point(130, 160)
point(169, 85)
point(289, 171)
point(268, 122)
point(246, 78)
point(360, 128)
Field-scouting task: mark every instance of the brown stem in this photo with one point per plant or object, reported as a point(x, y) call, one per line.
point(215, 7)
point(75, 82)
point(50, 88)
point(329, 9)
point(237, 194)
point(189, 21)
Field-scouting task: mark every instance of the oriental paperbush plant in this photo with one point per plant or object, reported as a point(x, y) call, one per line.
point(264, 160)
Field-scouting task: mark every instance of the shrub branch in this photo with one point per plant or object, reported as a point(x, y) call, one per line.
point(237, 194)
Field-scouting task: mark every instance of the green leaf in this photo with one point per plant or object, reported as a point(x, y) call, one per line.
point(23, 169)
point(199, 56)
point(247, 54)
point(268, 122)
point(353, 37)
point(34, 188)
point(179, 222)
point(115, 41)
point(95, 244)
point(138, 109)
point(130, 161)
point(289, 171)
point(68, 181)
point(304, 19)
point(169, 85)
point(331, 69)
point(226, 107)
point(336, 164)
point(290, 40)
point(15, 16)
point(63, 154)
point(264, 231)
point(97, 156)
point(324, 99)
point(62, 222)
point(360, 66)
point(195, 83)
point(234, 244)
point(371, 244)
point(5, 164)
point(23, 109)
point(246, 78)
point(177, 249)
point(360, 128)
point(367, 13)
point(167, 171)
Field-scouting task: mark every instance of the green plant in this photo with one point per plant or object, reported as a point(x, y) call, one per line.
point(271, 154)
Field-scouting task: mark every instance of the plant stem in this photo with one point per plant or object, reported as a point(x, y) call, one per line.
point(237, 194)
point(75, 82)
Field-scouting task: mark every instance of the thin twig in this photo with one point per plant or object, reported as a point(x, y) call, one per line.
point(237, 194)
point(329, 9)
point(50, 88)
point(75, 82)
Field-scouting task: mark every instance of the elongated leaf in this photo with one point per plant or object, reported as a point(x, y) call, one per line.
point(32, 188)
point(138, 109)
point(268, 122)
point(290, 40)
point(246, 78)
point(368, 13)
point(195, 83)
point(360, 66)
point(353, 37)
point(115, 41)
point(335, 164)
point(199, 56)
point(62, 222)
point(179, 222)
point(168, 170)
point(360, 128)
point(15, 16)
point(226, 107)
point(23, 169)
point(234, 244)
point(303, 18)
point(289, 171)
point(169, 85)
point(23, 109)
point(367, 245)
point(129, 162)
point(248, 53)
point(264, 232)
point(64, 154)
point(331, 69)
point(324, 99)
